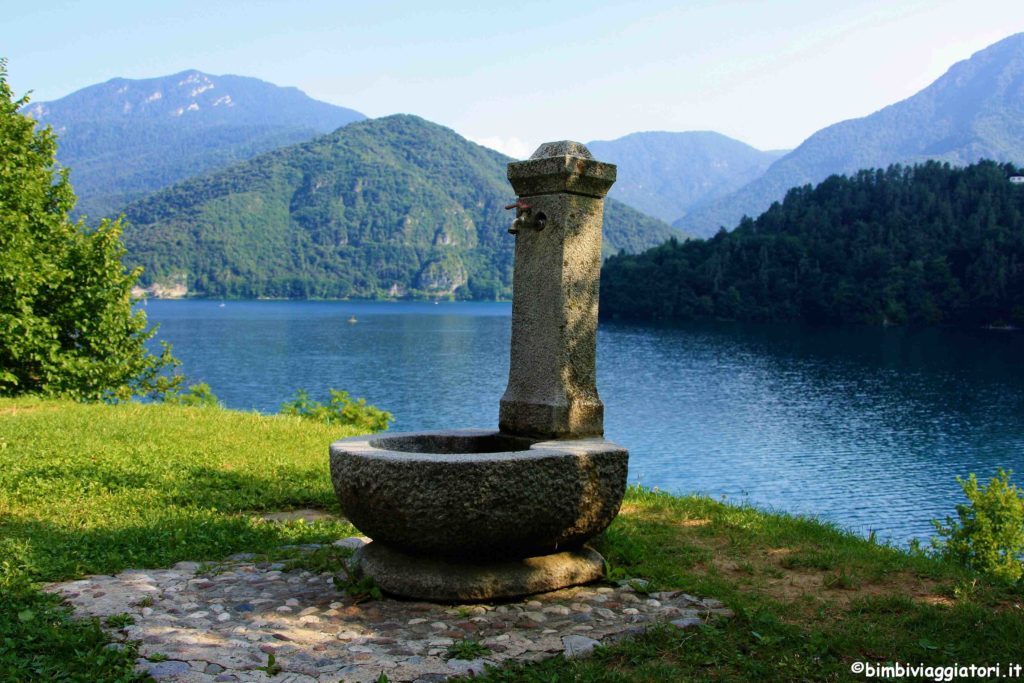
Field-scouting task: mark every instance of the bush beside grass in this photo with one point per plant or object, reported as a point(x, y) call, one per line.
point(89, 488)
point(988, 534)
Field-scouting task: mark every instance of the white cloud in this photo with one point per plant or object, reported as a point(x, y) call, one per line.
point(514, 147)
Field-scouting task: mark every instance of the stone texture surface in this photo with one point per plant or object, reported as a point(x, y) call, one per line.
point(552, 388)
point(564, 166)
point(562, 148)
point(221, 625)
point(432, 579)
point(495, 505)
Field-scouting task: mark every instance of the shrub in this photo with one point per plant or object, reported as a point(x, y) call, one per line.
point(196, 396)
point(989, 536)
point(340, 410)
point(67, 325)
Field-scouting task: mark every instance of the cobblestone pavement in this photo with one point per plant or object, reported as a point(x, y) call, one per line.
point(223, 625)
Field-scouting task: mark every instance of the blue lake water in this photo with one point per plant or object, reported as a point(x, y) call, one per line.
point(864, 427)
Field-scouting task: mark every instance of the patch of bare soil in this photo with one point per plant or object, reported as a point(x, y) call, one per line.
point(790, 584)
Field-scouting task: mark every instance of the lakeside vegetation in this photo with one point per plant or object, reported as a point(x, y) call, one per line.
point(928, 244)
point(97, 488)
point(100, 487)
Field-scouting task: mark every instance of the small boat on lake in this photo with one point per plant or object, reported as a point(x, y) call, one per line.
point(352, 320)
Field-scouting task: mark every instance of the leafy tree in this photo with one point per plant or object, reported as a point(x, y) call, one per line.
point(66, 321)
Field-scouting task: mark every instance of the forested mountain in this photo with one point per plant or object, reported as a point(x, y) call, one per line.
point(666, 174)
point(974, 111)
point(930, 244)
point(393, 206)
point(126, 138)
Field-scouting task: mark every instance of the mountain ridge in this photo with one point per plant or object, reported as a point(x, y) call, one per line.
point(664, 173)
point(974, 110)
point(395, 206)
point(124, 138)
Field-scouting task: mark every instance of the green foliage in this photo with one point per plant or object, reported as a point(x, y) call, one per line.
point(120, 620)
point(359, 589)
point(466, 649)
point(39, 641)
point(66, 321)
point(195, 396)
point(325, 560)
point(396, 206)
point(924, 245)
point(340, 410)
point(988, 535)
point(272, 668)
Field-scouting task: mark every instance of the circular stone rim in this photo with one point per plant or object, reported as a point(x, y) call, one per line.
point(363, 446)
point(554, 494)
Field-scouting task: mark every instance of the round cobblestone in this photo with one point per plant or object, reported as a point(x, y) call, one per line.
point(222, 626)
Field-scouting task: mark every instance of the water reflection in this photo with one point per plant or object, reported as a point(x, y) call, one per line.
point(865, 427)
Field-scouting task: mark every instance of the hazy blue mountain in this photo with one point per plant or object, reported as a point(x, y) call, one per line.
point(665, 174)
point(126, 138)
point(974, 111)
point(393, 206)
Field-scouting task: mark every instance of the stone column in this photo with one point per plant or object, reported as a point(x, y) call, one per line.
point(552, 389)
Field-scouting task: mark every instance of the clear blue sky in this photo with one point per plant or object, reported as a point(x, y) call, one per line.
point(513, 75)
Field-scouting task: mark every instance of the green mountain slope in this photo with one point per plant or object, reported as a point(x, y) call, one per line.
point(126, 138)
point(930, 244)
point(393, 206)
point(666, 174)
point(974, 111)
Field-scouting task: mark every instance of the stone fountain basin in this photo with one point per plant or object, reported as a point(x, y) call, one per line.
point(474, 494)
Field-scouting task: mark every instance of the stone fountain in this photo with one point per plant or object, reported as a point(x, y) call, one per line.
point(474, 514)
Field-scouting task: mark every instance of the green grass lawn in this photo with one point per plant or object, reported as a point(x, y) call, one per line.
point(98, 488)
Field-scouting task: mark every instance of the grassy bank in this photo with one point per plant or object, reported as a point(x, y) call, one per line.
point(95, 489)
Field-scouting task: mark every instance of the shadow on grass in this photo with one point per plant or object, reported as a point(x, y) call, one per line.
point(278, 488)
point(204, 515)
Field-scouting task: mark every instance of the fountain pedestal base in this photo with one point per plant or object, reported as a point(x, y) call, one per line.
point(441, 580)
